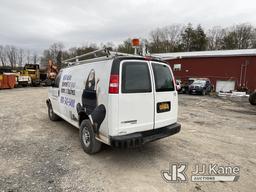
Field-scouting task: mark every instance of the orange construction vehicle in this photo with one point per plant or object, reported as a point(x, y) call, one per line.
point(52, 71)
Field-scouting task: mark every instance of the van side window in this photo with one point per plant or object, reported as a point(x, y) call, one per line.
point(163, 78)
point(57, 80)
point(135, 77)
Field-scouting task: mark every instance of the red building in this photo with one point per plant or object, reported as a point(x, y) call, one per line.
point(227, 69)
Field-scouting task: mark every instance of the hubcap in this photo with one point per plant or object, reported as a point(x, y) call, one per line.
point(86, 137)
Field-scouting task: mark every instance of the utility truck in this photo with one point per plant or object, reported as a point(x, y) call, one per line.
point(114, 98)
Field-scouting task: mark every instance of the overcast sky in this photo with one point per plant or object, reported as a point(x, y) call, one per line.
point(35, 24)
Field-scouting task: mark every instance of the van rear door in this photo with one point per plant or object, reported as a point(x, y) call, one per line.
point(166, 99)
point(136, 98)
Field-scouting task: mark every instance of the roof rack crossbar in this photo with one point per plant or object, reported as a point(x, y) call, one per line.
point(105, 53)
point(93, 53)
point(116, 53)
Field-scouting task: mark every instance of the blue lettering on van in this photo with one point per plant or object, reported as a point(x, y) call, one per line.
point(67, 101)
point(67, 86)
point(67, 77)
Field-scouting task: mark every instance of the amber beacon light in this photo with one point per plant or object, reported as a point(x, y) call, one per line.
point(135, 42)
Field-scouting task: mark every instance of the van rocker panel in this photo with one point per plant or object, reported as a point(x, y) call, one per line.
point(139, 138)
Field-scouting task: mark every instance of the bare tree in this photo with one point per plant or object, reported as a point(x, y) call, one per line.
point(159, 40)
point(125, 47)
point(20, 57)
point(174, 35)
point(55, 50)
point(166, 39)
point(35, 58)
point(2, 55)
point(28, 56)
point(253, 38)
point(238, 37)
point(215, 38)
point(11, 53)
point(243, 35)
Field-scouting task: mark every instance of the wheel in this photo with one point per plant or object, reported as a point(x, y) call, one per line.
point(52, 116)
point(87, 138)
point(252, 98)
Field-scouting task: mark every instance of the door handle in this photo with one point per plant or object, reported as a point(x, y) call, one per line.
point(129, 122)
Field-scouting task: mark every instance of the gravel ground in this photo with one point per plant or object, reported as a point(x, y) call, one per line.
point(39, 155)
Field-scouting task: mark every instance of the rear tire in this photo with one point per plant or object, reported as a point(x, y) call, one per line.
point(52, 116)
point(252, 98)
point(87, 138)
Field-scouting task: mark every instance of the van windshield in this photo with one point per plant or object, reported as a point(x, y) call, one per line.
point(163, 78)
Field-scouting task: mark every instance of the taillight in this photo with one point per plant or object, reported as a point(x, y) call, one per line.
point(114, 84)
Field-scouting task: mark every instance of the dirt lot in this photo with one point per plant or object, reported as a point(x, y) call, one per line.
point(39, 155)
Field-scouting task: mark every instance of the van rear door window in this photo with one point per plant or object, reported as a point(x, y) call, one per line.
point(135, 77)
point(163, 78)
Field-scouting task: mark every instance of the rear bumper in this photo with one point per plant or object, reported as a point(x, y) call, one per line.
point(139, 138)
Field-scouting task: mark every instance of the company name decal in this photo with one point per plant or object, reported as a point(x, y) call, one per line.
point(68, 87)
point(67, 101)
point(201, 173)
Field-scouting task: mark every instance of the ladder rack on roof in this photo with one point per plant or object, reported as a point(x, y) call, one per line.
point(97, 55)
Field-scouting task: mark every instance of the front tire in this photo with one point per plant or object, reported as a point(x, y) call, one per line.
point(52, 116)
point(87, 138)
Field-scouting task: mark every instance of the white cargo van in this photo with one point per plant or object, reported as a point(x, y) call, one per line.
point(122, 101)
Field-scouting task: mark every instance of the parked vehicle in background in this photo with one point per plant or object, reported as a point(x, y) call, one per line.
point(185, 85)
point(21, 75)
point(122, 101)
point(49, 74)
point(178, 85)
point(200, 86)
point(23, 80)
point(252, 98)
point(32, 70)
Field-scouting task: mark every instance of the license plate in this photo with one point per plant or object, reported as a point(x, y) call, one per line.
point(163, 107)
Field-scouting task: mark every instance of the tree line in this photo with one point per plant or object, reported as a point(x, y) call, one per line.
point(172, 38)
point(177, 38)
point(16, 57)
